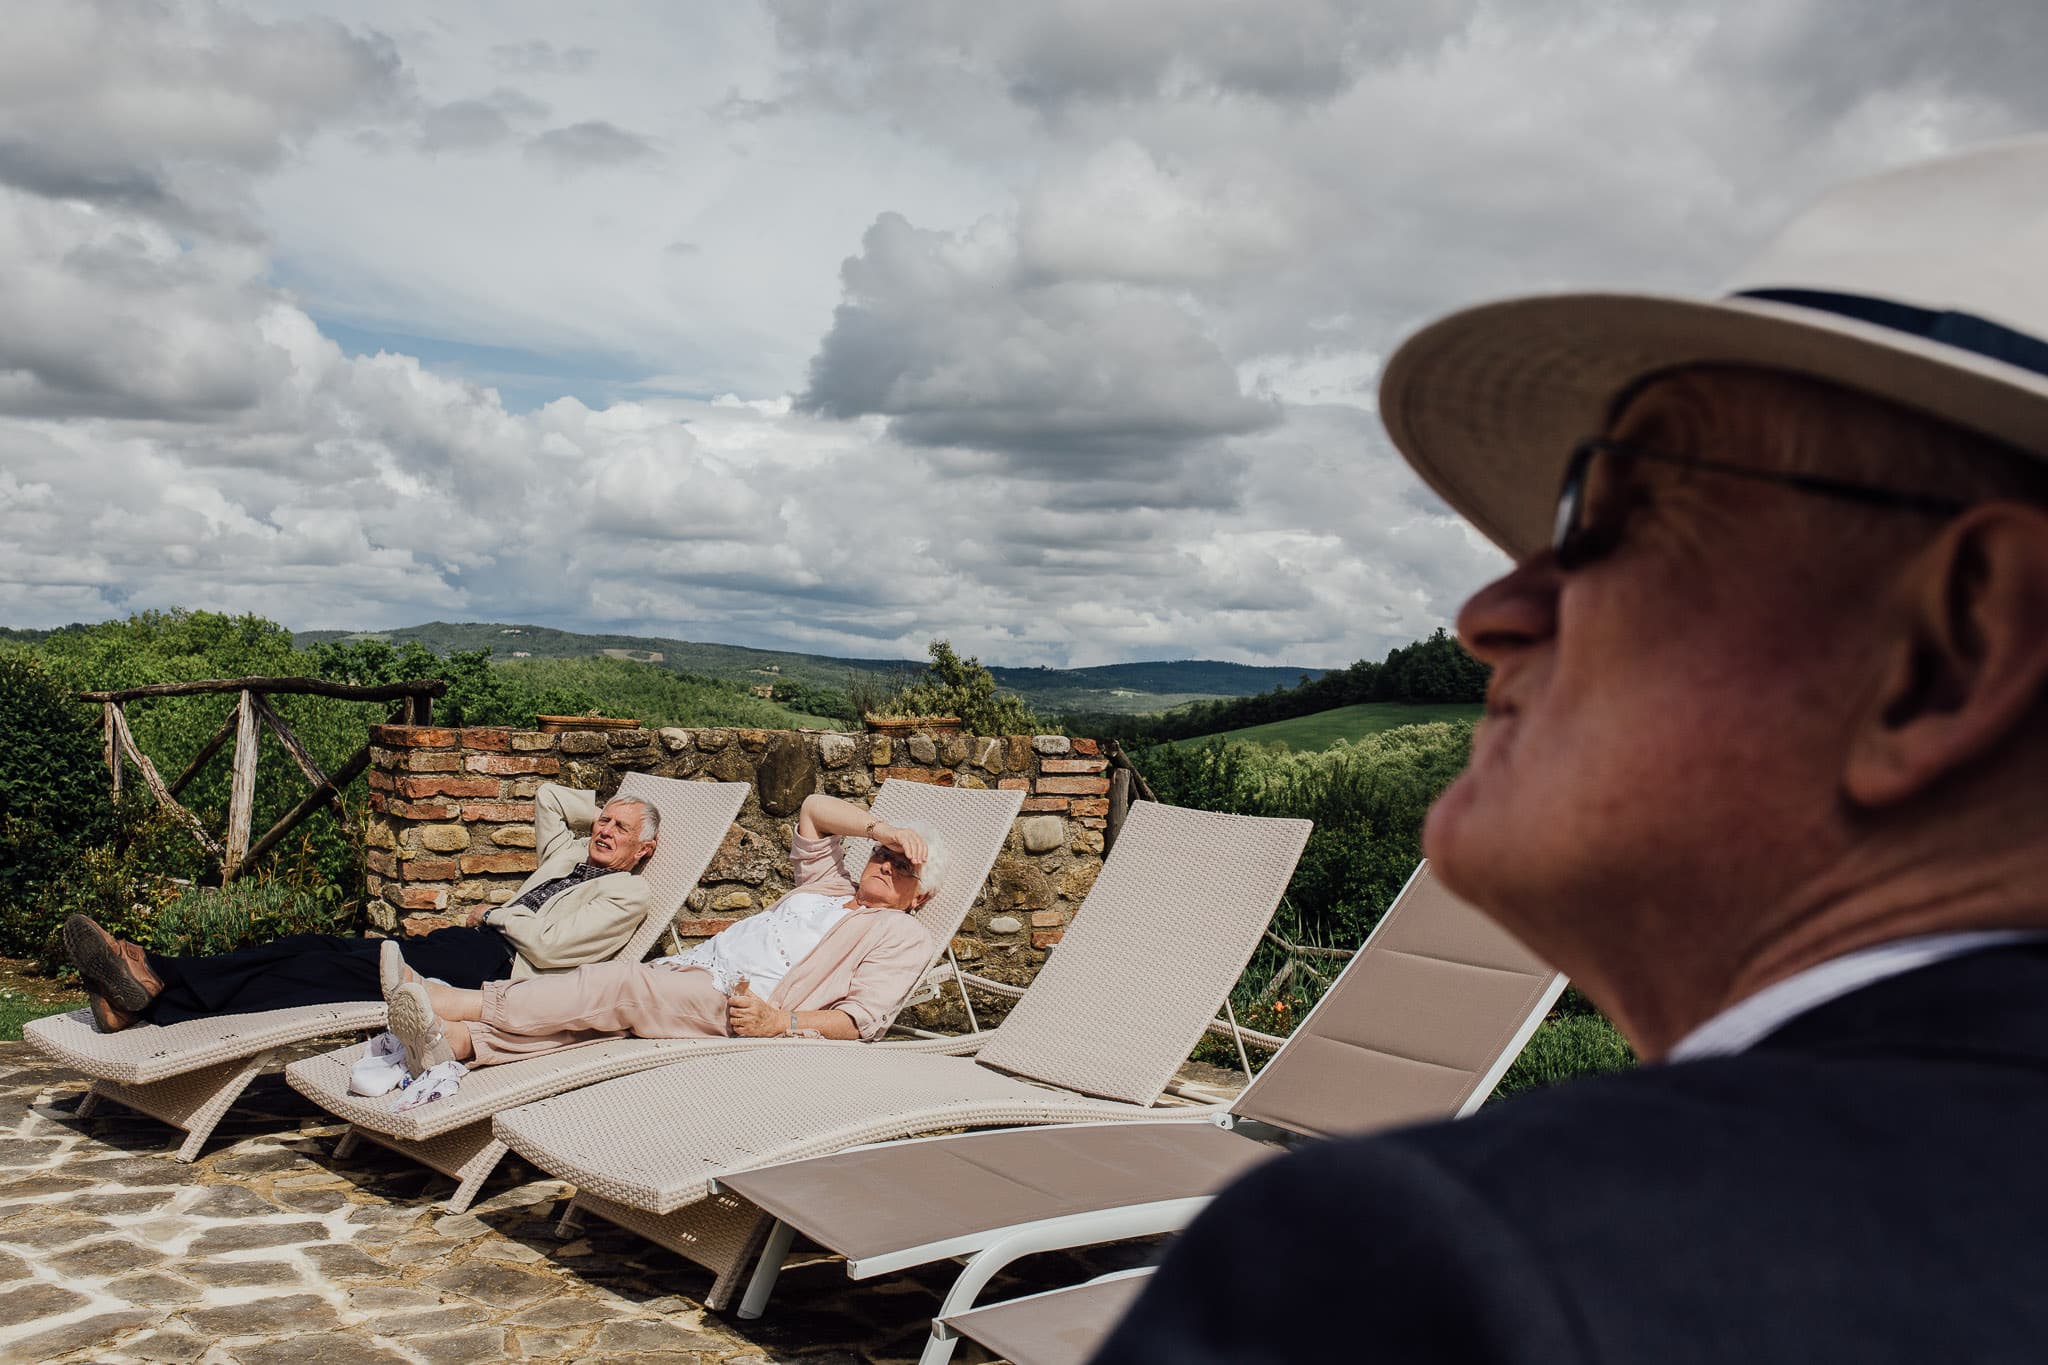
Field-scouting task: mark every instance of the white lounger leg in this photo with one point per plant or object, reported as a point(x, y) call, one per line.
point(350, 1140)
point(767, 1269)
point(1054, 1234)
point(474, 1172)
point(195, 1101)
point(90, 1102)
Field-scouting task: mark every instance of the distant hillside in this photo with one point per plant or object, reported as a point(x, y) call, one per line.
point(1127, 688)
point(1321, 729)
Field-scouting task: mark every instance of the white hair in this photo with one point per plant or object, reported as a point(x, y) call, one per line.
point(932, 875)
point(650, 814)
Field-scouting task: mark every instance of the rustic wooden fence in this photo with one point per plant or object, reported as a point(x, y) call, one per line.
point(233, 850)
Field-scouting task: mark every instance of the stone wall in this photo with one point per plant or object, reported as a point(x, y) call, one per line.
point(451, 817)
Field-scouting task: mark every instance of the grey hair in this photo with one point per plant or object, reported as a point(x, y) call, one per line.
point(932, 875)
point(650, 814)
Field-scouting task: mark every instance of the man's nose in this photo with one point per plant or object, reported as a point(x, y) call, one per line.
point(1514, 612)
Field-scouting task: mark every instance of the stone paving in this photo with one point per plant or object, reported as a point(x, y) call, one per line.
point(268, 1249)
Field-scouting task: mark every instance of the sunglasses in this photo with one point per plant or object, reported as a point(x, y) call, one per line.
point(1589, 516)
point(897, 863)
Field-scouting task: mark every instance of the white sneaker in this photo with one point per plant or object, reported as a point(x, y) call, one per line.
point(411, 1016)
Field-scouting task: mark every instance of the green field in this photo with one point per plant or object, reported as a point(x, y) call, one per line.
point(1324, 728)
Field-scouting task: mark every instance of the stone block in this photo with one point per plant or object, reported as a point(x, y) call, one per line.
point(384, 782)
point(1092, 805)
point(474, 863)
point(1013, 784)
point(418, 897)
point(937, 777)
point(733, 900)
point(966, 949)
point(1019, 755)
point(711, 740)
point(1042, 833)
point(923, 750)
point(788, 773)
point(413, 788)
point(513, 836)
point(506, 765)
point(1073, 786)
point(581, 742)
point(675, 739)
point(973, 782)
point(1048, 919)
point(494, 738)
point(531, 741)
point(1087, 746)
point(702, 926)
point(1074, 885)
point(754, 741)
point(853, 784)
point(880, 752)
point(443, 838)
point(412, 736)
point(730, 765)
point(1005, 924)
point(639, 738)
point(521, 788)
point(952, 750)
point(431, 870)
point(481, 891)
point(1052, 744)
point(1042, 939)
point(744, 855)
point(836, 750)
point(1065, 765)
point(379, 835)
point(1087, 841)
point(1032, 803)
point(419, 926)
point(1091, 821)
point(1019, 885)
point(379, 803)
point(988, 753)
point(433, 761)
point(423, 810)
point(380, 862)
point(498, 812)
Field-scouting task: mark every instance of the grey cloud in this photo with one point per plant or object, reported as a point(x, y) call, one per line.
point(942, 335)
point(588, 146)
point(544, 57)
point(475, 124)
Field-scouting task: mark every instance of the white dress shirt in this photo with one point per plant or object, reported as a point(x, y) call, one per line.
point(1738, 1027)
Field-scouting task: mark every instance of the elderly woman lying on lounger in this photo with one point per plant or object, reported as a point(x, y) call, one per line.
point(831, 959)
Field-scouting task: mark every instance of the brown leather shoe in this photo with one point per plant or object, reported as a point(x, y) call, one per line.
point(111, 967)
point(106, 1016)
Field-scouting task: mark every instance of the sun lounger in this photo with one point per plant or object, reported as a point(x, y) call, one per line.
point(1421, 1025)
point(190, 1073)
point(1058, 1327)
point(1152, 953)
point(453, 1135)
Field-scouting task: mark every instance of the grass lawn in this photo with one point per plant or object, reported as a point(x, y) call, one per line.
point(17, 1008)
point(1324, 728)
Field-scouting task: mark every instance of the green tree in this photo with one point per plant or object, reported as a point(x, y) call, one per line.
point(954, 686)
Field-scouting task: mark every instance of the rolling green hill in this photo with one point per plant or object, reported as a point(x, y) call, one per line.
point(1128, 688)
point(1324, 728)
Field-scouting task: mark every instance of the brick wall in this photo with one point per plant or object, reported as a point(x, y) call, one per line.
point(451, 817)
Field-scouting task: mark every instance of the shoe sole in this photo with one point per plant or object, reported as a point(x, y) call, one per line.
point(411, 1016)
point(102, 966)
point(390, 969)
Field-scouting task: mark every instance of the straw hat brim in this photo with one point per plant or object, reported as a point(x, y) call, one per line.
point(1487, 403)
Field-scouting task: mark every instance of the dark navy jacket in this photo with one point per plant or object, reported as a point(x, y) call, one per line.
point(1867, 1184)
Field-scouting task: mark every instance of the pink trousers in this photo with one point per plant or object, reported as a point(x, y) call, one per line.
point(604, 1000)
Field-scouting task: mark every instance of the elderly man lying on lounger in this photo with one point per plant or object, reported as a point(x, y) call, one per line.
point(581, 905)
point(832, 959)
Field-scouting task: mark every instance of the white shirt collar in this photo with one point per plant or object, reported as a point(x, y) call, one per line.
point(1742, 1024)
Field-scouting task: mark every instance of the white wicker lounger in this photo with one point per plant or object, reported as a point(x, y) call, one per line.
point(454, 1135)
point(1422, 1024)
point(189, 1074)
point(1152, 953)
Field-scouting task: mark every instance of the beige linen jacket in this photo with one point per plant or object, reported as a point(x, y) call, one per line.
point(586, 923)
point(867, 964)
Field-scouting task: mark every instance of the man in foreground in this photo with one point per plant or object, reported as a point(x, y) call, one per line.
point(832, 959)
point(581, 905)
point(1763, 769)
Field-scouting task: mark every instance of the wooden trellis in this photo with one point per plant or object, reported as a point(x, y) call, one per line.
point(245, 723)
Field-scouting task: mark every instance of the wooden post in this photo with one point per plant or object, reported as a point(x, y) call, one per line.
point(242, 795)
point(298, 752)
point(113, 748)
point(156, 785)
point(422, 708)
point(328, 790)
point(1119, 805)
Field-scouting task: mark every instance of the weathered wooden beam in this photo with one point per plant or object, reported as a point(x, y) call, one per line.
point(1119, 806)
point(109, 718)
point(156, 784)
point(206, 751)
point(421, 709)
point(331, 787)
point(242, 792)
point(318, 687)
point(296, 750)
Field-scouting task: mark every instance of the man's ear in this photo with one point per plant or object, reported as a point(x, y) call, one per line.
point(1969, 661)
point(646, 852)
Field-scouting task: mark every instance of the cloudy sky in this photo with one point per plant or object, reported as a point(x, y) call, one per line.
point(1050, 327)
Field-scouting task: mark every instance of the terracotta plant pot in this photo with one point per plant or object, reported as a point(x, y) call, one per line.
point(912, 725)
point(555, 725)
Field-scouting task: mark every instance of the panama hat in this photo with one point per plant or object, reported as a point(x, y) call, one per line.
point(1926, 286)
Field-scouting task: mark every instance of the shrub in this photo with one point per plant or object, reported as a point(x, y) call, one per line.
point(53, 782)
point(219, 919)
point(123, 884)
point(954, 686)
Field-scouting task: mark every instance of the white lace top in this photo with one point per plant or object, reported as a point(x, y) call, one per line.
point(762, 948)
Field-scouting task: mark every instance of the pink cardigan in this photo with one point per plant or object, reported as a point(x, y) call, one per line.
point(867, 964)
